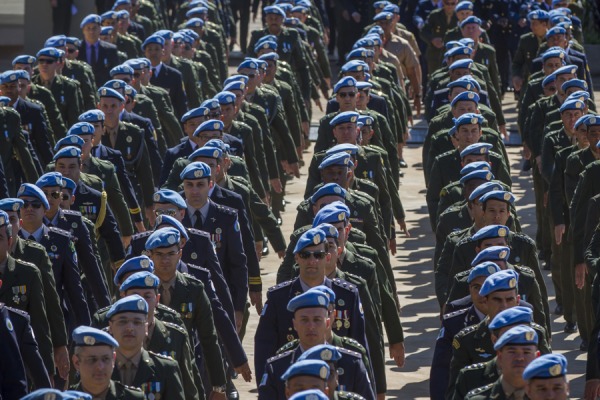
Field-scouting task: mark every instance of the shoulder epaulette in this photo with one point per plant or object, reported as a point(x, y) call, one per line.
point(350, 352)
point(103, 309)
point(227, 210)
point(142, 235)
point(72, 212)
point(349, 395)
point(523, 237)
point(522, 269)
point(164, 357)
point(199, 268)
point(239, 179)
point(474, 366)
point(280, 356)
point(198, 232)
point(36, 245)
point(132, 388)
point(280, 286)
point(59, 231)
point(129, 125)
point(480, 390)
point(166, 308)
point(343, 284)
point(455, 313)
point(18, 312)
point(466, 330)
point(191, 277)
point(354, 343)
point(288, 346)
point(176, 327)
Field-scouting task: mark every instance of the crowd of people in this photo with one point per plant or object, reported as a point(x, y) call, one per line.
point(142, 183)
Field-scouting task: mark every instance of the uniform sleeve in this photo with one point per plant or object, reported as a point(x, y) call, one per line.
point(90, 266)
point(265, 339)
point(24, 157)
point(173, 386)
point(72, 284)
point(362, 384)
point(265, 218)
point(442, 271)
point(442, 355)
point(39, 130)
point(266, 388)
point(109, 231)
point(57, 325)
point(31, 354)
point(39, 321)
point(117, 203)
point(238, 267)
point(13, 382)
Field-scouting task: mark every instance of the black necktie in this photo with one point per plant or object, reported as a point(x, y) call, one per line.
point(198, 224)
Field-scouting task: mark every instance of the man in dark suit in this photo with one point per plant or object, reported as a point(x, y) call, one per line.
point(101, 55)
point(164, 76)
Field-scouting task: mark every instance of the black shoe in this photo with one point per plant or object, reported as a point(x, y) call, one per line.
point(558, 310)
point(232, 393)
point(526, 166)
point(403, 163)
point(570, 327)
point(279, 221)
point(265, 249)
point(542, 255)
point(547, 266)
point(583, 346)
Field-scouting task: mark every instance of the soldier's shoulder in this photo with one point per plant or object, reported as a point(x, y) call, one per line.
point(522, 269)
point(479, 391)
point(59, 232)
point(348, 342)
point(30, 244)
point(455, 314)
point(524, 238)
point(474, 367)
point(342, 284)
point(132, 127)
point(288, 346)
point(16, 313)
point(192, 279)
point(72, 213)
point(165, 309)
point(466, 331)
point(349, 352)
point(226, 210)
point(239, 179)
point(200, 270)
point(279, 286)
point(130, 392)
point(280, 356)
point(198, 232)
point(163, 359)
point(176, 328)
point(141, 235)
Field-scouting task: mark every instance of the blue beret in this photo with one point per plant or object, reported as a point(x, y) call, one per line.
point(518, 335)
point(11, 204)
point(556, 30)
point(235, 78)
point(210, 126)
point(465, 96)
point(383, 16)
point(546, 366)
point(512, 316)
point(323, 352)
point(76, 395)
point(332, 213)
point(133, 304)
point(553, 52)
point(583, 120)
point(326, 290)
point(344, 117)
point(140, 280)
point(92, 116)
point(347, 81)
point(30, 190)
point(8, 77)
point(49, 52)
point(311, 394)
point(67, 152)
point(134, 264)
point(346, 147)
point(173, 223)
point(108, 92)
point(475, 166)
point(500, 195)
point(576, 21)
point(69, 184)
point(90, 19)
point(483, 189)
point(470, 20)
point(458, 51)
point(208, 152)
point(4, 101)
point(330, 189)
point(291, 21)
point(311, 237)
point(557, 19)
point(572, 105)
point(271, 38)
point(274, 10)
point(248, 63)
point(106, 30)
point(464, 5)
point(165, 34)
point(375, 38)
point(70, 140)
point(56, 41)
point(467, 42)
point(466, 82)
point(578, 83)
point(267, 44)
point(470, 118)
point(261, 63)
point(538, 14)
point(485, 269)
point(50, 179)
point(181, 37)
point(493, 253)
point(329, 230)
point(81, 128)
point(24, 59)
point(225, 98)
point(300, 9)
point(464, 63)
point(476, 149)
point(491, 231)
point(115, 84)
point(272, 56)
point(211, 104)
point(359, 53)
point(110, 14)
point(122, 14)
point(4, 219)
point(499, 281)
point(452, 44)
point(169, 196)
point(194, 23)
point(355, 66)
point(381, 3)
point(337, 159)
point(156, 39)
point(364, 43)
point(166, 237)
point(130, 91)
point(88, 336)
point(48, 394)
point(309, 299)
point(316, 368)
point(592, 120)
point(392, 8)
point(580, 95)
point(548, 80)
point(478, 174)
point(365, 120)
point(122, 69)
point(195, 113)
point(218, 144)
point(121, 3)
point(191, 33)
point(138, 63)
point(196, 11)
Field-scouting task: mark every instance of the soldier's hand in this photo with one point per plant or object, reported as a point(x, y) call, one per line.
point(592, 389)
point(503, 131)
point(538, 161)
point(256, 301)
point(239, 319)
point(356, 17)
point(295, 169)
point(305, 128)
point(61, 360)
point(437, 42)
point(140, 227)
point(281, 254)
point(245, 371)
point(276, 185)
point(397, 353)
point(517, 82)
point(581, 271)
point(258, 246)
point(526, 152)
point(318, 103)
point(254, 17)
point(559, 231)
point(417, 105)
point(403, 227)
point(392, 244)
point(150, 216)
point(217, 396)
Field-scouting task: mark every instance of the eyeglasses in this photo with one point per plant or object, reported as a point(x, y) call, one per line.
point(214, 115)
point(65, 197)
point(55, 195)
point(71, 51)
point(35, 204)
point(169, 212)
point(250, 76)
point(343, 95)
point(48, 61)
point(318, 255)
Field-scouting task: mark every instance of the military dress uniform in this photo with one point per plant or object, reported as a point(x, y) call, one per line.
point(117, 391)
point(473, 376)
point(436, 26)
point(45, 97)
point(13, 380)
point(68, 97)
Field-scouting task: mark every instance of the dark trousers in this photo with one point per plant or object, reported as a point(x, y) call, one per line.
point(241, 13)
point(61, 17)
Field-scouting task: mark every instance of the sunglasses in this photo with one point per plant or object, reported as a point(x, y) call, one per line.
point(250, 76)
point(343, 95)
point(318, 255)
point(34, 204)
point(214, 115)
point(71, 51)
point(48, 61)
point(55, 195)
point(170, 213)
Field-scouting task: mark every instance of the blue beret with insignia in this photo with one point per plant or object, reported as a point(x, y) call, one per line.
point(191, 33)
point(540, 15)
point(323, 352)
point(48, 52)
point(381, 3)
point(108, 15)
point(491, 231)
point(218, 144)
point(567, 69)
point(154, 39)
point(208, 152)
point(480, 148)
point(458, 51)
point(316, 368)
point(467, 42)
point(210, 126)
point(50, 179)
point(195, 113)
point(311, 237)
point(363, 86)
point(291, 21)
point(546, 366)
point(479, 174)
point(30, 190)
point(81, 128)
point(248, 63)
point(92, 116)
point(355, 66)
point(458, 64)
point(52, 394)
point(512, 316)
point(475, 166)
point(182, 38)
point(112, 93)
point(308, 299)
point(329, 230)
point(271, 38)
point(582, 120)
point(485, 269)
point(122, 14)
point(466, 82)
point(69, 184)
point(267, 44)
point(116, 84)
point(8, 77)
point(344, 117)
point(130, 91)
point(346, 147)
point(122, 69)
point(271, 56)
point(118, 3)
point(452, 44)
point(492, 253)
point(464, 5)
point(470, 20)
point(346, 81)
point(4, 219)
point(165, 237)
point(194, 23)
point(106, 30)
point(138, 63)
point(173, 223)
point(211, 104)
point(311, 394)
point(330, 189)
point(326, 290)
point(56, 41)
point(553, 52)
point(465, 96)
point(332, 213)
point(225, 98)
point(67, 152)
point(130, 304)
point(165, 34)
point(469, 119)
point(393, 8)
point(548, 80)
point(359, 53)
point(238, 85)
point(169, 196)
point(24, 59)
point(69, 140)
point(580, 95)
point(519, 335)
point(483, 189)
point(364, 43)
point(575, 83)
point(383, 16)
point(201, 10)
point(132, 265)
point(90, 19)
point(22, 74)
point(337, 159)
point(500, 195)
point(262, 64)
point(235, 78)
point(4, 101)
point(140, 280)
point(88, 336)
point(365, 120)
point(559, 19)
point(11, 204)
point(592, 120)
point(300, 9)
point(274, 10)
point(556, 30)
point(500, 281)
